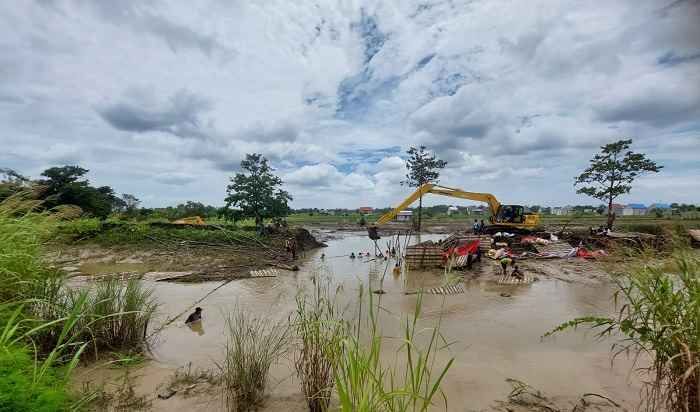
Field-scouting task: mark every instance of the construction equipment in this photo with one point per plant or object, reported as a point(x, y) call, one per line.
point(503, 217)
point(194, 220)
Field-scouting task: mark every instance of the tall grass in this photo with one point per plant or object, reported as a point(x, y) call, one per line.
point(254, 344)
point(364, 382)
point(659, 317)
point(117, 315)
point(319, 327)
point(44, 320)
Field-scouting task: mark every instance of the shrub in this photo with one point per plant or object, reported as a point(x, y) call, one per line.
point(660, 316)
point(319, 326)
point(18, 390)
point(365, 383)
point(254, 344)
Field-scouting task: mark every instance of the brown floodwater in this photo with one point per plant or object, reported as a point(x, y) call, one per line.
point(493, 337)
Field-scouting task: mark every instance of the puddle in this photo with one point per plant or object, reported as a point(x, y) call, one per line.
point(494, 337)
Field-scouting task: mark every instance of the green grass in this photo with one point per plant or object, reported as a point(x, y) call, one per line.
point(19, 392)
point(148, 235)
point(573, 220)
point(254, 344)
point(319, 328)
point(45, 327)
point(366, 383)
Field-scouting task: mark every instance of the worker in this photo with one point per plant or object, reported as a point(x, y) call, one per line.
point(195, 316)
point(475, 227)
point(393, 251)
point(505, 261)
point(517, 273)
point(294, 249)
point(482, 227)
point(478, 254)
point(323, 256)
point(470, 258)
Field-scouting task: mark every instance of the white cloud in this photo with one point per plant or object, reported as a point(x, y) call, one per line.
point(516, 98)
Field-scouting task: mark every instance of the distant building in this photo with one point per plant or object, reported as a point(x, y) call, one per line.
point(617, 208)
point(634, 209)
point(660, 206)
point(562, 211)
point(404, 216)
point(452, 209)
point(476, 210)
point(365, 210)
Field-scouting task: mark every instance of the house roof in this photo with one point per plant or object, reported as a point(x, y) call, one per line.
point(660, 206)
point(405, 213)
point(636, 206)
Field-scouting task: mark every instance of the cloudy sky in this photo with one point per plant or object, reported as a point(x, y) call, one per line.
point(162, 99)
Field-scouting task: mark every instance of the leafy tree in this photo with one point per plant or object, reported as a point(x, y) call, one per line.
point(257, 192)
point(11, 182)
point(130, 202)
point(611, 173)
point(67, 185)
point(423, 167)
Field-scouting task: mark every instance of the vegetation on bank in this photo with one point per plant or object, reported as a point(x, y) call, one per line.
point(659, 318)
point(46, 328)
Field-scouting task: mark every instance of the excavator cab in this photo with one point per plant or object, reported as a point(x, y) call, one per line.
point(510, 214)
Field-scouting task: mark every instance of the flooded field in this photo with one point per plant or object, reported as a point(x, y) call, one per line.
point(495, 330)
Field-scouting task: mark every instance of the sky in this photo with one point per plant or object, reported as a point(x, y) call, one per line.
point(162, 99)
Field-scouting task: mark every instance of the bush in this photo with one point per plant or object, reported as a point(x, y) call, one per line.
point(319, 326)
point(660, 316)
point(78, 229)
point(254, 344)
point(19, 392)
point(366, 384)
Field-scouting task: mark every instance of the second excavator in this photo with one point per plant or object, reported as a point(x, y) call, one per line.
point(502, 217)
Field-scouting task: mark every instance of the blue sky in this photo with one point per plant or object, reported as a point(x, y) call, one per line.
point(162, 99)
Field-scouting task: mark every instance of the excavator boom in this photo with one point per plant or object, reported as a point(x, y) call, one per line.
point(488, 198)
point(527, 221)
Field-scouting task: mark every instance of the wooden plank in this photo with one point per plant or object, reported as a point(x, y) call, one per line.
point(264, 273)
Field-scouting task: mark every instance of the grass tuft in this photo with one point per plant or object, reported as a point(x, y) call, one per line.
point(254, 344)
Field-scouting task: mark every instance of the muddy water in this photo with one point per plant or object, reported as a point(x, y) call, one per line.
point(494, 337)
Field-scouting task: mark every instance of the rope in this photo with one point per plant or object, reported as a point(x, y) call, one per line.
point(189, 308)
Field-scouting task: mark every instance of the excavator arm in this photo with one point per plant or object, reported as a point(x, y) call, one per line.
point(488, 198)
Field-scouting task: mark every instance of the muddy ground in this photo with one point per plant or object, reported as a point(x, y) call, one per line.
point(497, 328)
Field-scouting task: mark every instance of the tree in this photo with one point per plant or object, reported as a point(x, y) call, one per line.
point(67, 185)
point(130, 202)
point(11, 182)
point(611, 173)
point(257, 192)
point(423, 167)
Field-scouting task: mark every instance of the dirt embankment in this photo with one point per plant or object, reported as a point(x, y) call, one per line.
point(184, 260)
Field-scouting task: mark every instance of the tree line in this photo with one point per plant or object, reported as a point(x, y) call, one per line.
point(256, 192)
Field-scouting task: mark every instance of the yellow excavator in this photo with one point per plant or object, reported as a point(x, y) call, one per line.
point(194, 220)
point(503, 217)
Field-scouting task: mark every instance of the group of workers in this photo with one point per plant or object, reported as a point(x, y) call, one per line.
point(508, 261)
point(479, 228)
point(387, 254)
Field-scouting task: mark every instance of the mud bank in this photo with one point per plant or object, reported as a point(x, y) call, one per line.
point(183, 261)
point(496, 329)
